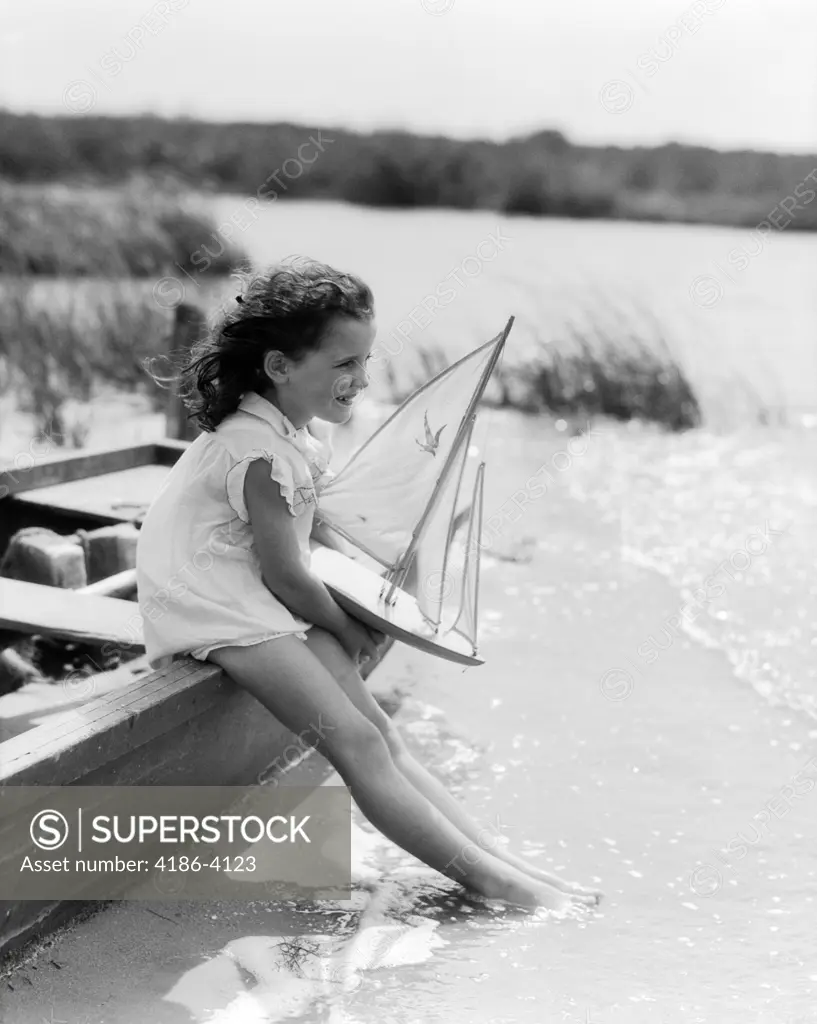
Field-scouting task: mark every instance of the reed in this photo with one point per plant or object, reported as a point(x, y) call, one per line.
point(60, 344)
point(636, 383)
point(603, 359)
point(132, 231)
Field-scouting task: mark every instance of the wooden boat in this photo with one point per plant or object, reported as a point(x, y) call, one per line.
point(185, 725)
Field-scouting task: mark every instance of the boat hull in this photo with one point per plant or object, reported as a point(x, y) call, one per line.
point(359, 591)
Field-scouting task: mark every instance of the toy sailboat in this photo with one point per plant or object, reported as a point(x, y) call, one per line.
point(397, 500)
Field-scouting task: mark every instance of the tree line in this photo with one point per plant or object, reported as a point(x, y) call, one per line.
point(543, 174)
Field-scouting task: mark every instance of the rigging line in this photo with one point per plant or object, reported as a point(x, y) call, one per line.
point(414, 395)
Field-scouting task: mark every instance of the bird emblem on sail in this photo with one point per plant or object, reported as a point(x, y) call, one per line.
point(432, 442)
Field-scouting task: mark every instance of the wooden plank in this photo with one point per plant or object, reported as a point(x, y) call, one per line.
point(122, 495)
point(64, 468)
point(77, 743)
point(104, 711)
point(33, 608)
point(122, 584)
point(119, 585)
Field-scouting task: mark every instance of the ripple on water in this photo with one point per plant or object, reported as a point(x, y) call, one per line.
point(730, 521)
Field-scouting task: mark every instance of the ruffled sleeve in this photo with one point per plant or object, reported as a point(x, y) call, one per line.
point(282, 471)
point(323, 479)
point(320, 454)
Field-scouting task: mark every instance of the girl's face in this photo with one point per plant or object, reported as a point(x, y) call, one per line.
point(326, 382)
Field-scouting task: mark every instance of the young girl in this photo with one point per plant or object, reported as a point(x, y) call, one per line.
point(223, 563)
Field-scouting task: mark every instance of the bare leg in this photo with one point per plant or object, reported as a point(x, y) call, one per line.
point(293, 684)
point(337, 661)
point(434, 790)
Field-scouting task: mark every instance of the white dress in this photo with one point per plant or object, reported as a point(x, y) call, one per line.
point(198, 574)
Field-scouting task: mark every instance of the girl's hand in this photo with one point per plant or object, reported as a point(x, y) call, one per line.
point(360, 643)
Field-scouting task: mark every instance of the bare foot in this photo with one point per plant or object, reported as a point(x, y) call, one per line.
point(591, 896)
point(586, 895)
point(574, 889)
point(521, 891)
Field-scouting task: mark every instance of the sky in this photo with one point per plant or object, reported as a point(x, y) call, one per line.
point(723, 73)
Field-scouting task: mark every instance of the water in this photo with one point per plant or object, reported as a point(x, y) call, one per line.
point(729, 521)
point(649, 625)
point(747, 338)
point(660, 792)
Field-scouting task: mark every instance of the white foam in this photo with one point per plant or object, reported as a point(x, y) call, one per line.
point(290, 973)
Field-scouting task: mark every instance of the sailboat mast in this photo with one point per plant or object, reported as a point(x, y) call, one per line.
point(401, 568)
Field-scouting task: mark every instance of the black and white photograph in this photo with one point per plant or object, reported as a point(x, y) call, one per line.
point(408, 512)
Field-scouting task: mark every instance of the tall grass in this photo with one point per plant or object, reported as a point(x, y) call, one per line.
point(631, 383)
point(606, 363)
point(60, 344)
point(602, 361)
point(132, 231)
point(61, 337)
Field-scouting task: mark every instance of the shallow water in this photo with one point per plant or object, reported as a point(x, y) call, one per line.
point(667, 785)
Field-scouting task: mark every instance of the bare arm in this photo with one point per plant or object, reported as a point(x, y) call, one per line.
point(283, 569)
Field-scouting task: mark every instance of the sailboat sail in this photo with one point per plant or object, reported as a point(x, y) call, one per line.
point(435, 570)
point(398, 499)
point(385, 490)
point(467, 618)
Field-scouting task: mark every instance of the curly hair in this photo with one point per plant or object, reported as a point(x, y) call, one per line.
point(287, 308)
